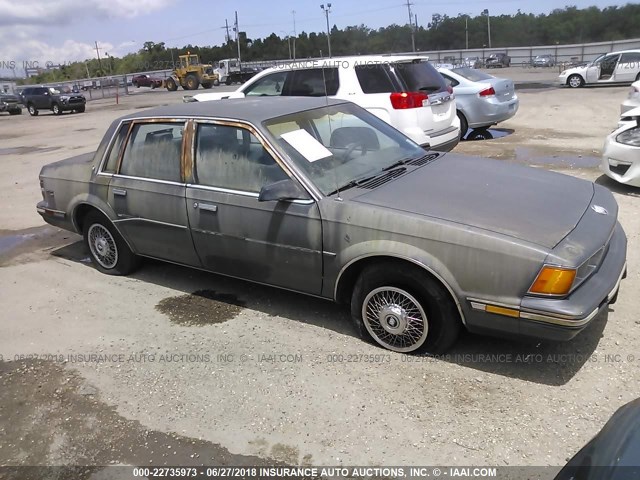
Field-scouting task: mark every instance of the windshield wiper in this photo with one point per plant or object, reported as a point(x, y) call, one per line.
point(351, 184)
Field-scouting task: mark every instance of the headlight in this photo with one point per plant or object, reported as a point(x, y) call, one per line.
point(64, 98)
point(633, 92)
point(630, 137)
point(553, 281)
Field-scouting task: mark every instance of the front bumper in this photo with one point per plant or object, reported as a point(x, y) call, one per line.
point(558, 319)
point(621, 162)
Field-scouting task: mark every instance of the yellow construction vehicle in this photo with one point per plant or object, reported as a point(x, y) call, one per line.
point(190, 74)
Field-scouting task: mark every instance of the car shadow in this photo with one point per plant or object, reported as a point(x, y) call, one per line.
point(486, 134)
point(617, 187)
point(544, 362)
point(549, 363)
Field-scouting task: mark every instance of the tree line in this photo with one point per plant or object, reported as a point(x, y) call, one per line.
point(561, 26)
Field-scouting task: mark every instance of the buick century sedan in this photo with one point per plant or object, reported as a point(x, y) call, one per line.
point(321, 197)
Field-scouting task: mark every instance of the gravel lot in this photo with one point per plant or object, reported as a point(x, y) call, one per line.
point(278, 377)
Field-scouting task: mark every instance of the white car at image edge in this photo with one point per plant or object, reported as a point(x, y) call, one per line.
point(621, 152)
point(405, 91)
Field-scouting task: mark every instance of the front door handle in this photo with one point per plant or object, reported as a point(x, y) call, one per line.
point(205, 206)
point(120, 191)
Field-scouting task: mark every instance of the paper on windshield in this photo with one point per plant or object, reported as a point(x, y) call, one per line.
point(306, 145)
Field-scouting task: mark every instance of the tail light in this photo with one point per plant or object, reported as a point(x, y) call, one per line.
point(487, 92)
point(449, 89)
point(404, 100)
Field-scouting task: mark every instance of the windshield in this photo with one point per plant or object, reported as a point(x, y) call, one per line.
point(471, 74)
point(337, 145)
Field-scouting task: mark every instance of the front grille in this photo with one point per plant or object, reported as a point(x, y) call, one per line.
point(620, 169)
point(376, 182)
point(424, 160)
point(76, 100)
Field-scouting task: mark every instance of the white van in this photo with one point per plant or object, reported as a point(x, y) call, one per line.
point(614, 67)
point(405, 91)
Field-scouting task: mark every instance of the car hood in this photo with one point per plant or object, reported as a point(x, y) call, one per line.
point(204, 97)
point(571, 70)
point(8, 98)
point(530, 204)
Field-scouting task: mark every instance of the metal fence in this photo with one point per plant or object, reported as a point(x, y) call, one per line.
point(120, 85)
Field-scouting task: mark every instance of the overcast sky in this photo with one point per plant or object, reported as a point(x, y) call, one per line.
point(61, 31)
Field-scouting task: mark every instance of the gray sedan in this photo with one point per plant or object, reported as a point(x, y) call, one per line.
point(321, 197)
point(482, 100)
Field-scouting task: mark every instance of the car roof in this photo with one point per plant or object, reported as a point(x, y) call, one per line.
point(252, 110)
point(340, 62)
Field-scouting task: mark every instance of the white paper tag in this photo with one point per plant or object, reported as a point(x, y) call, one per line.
point(306, 145)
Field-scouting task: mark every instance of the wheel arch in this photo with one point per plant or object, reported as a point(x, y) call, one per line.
point(83, 207)
point(350, 272)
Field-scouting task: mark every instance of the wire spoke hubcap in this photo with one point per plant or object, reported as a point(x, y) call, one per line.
point(395, 319)
point(103, 246)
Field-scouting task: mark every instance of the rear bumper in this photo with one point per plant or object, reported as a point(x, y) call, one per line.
point(491, 112)
point(445, 140)
point(57, 218)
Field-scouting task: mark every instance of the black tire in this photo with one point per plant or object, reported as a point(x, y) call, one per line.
point(228, 81)
point(172, 86)
point(216, 82)
point(191, 82)
point(414, 290)
point(206, 86)
point(464, 124)
point(575, 81)
point(481, 133)
point(33, 111)
point(80, 109)
point(15, 112)
point(55, 108)
point(109, 253)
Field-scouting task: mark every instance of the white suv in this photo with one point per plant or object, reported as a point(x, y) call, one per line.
point(405, 91)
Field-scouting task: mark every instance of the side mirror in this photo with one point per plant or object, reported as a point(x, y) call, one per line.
point(286, 189)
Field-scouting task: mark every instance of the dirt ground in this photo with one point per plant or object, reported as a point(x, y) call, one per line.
point(100, 370)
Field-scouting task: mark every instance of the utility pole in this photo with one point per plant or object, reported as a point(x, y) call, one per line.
point(466, 31)
point(295, 34)
point(99, 61)
point(327, 11)
point(413, 33)
point(238, 40)
point(226, 26)
point(486, 12)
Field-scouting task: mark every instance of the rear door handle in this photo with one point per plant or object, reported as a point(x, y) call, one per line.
point(205, 206)
point(120, 191)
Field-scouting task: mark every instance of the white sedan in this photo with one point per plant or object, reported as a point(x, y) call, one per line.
point(633, 99)
point(621, 154)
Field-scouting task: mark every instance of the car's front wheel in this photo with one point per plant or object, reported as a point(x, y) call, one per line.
point(33, 111)
point(108, 250)
point(55, 108)
point(403, 309)
point(575, 81)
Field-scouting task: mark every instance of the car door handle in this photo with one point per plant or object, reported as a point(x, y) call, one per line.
point(205, 206)
point(120, 191)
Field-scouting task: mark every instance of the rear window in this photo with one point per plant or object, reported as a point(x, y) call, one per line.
point(471, 74)
point(419, 77)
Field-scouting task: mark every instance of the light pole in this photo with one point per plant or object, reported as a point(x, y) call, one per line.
point(288, 38)
point(486, 12)
point(295, 34)
point(327, 11)
point(466, 31)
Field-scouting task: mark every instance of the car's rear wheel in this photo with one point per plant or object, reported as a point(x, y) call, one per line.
point(15, 112)
point(80, 109)
point(403, 309)
point(33, 111)
point(55, 108)
point(575, 81)
point(206, 85)
point(464, 124)
point(216, 82)
point(109, 252)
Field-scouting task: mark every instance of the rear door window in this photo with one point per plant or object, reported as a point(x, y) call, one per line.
point(376, 78)
point(313, 82)
point(154, 151)
point(269, 86)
